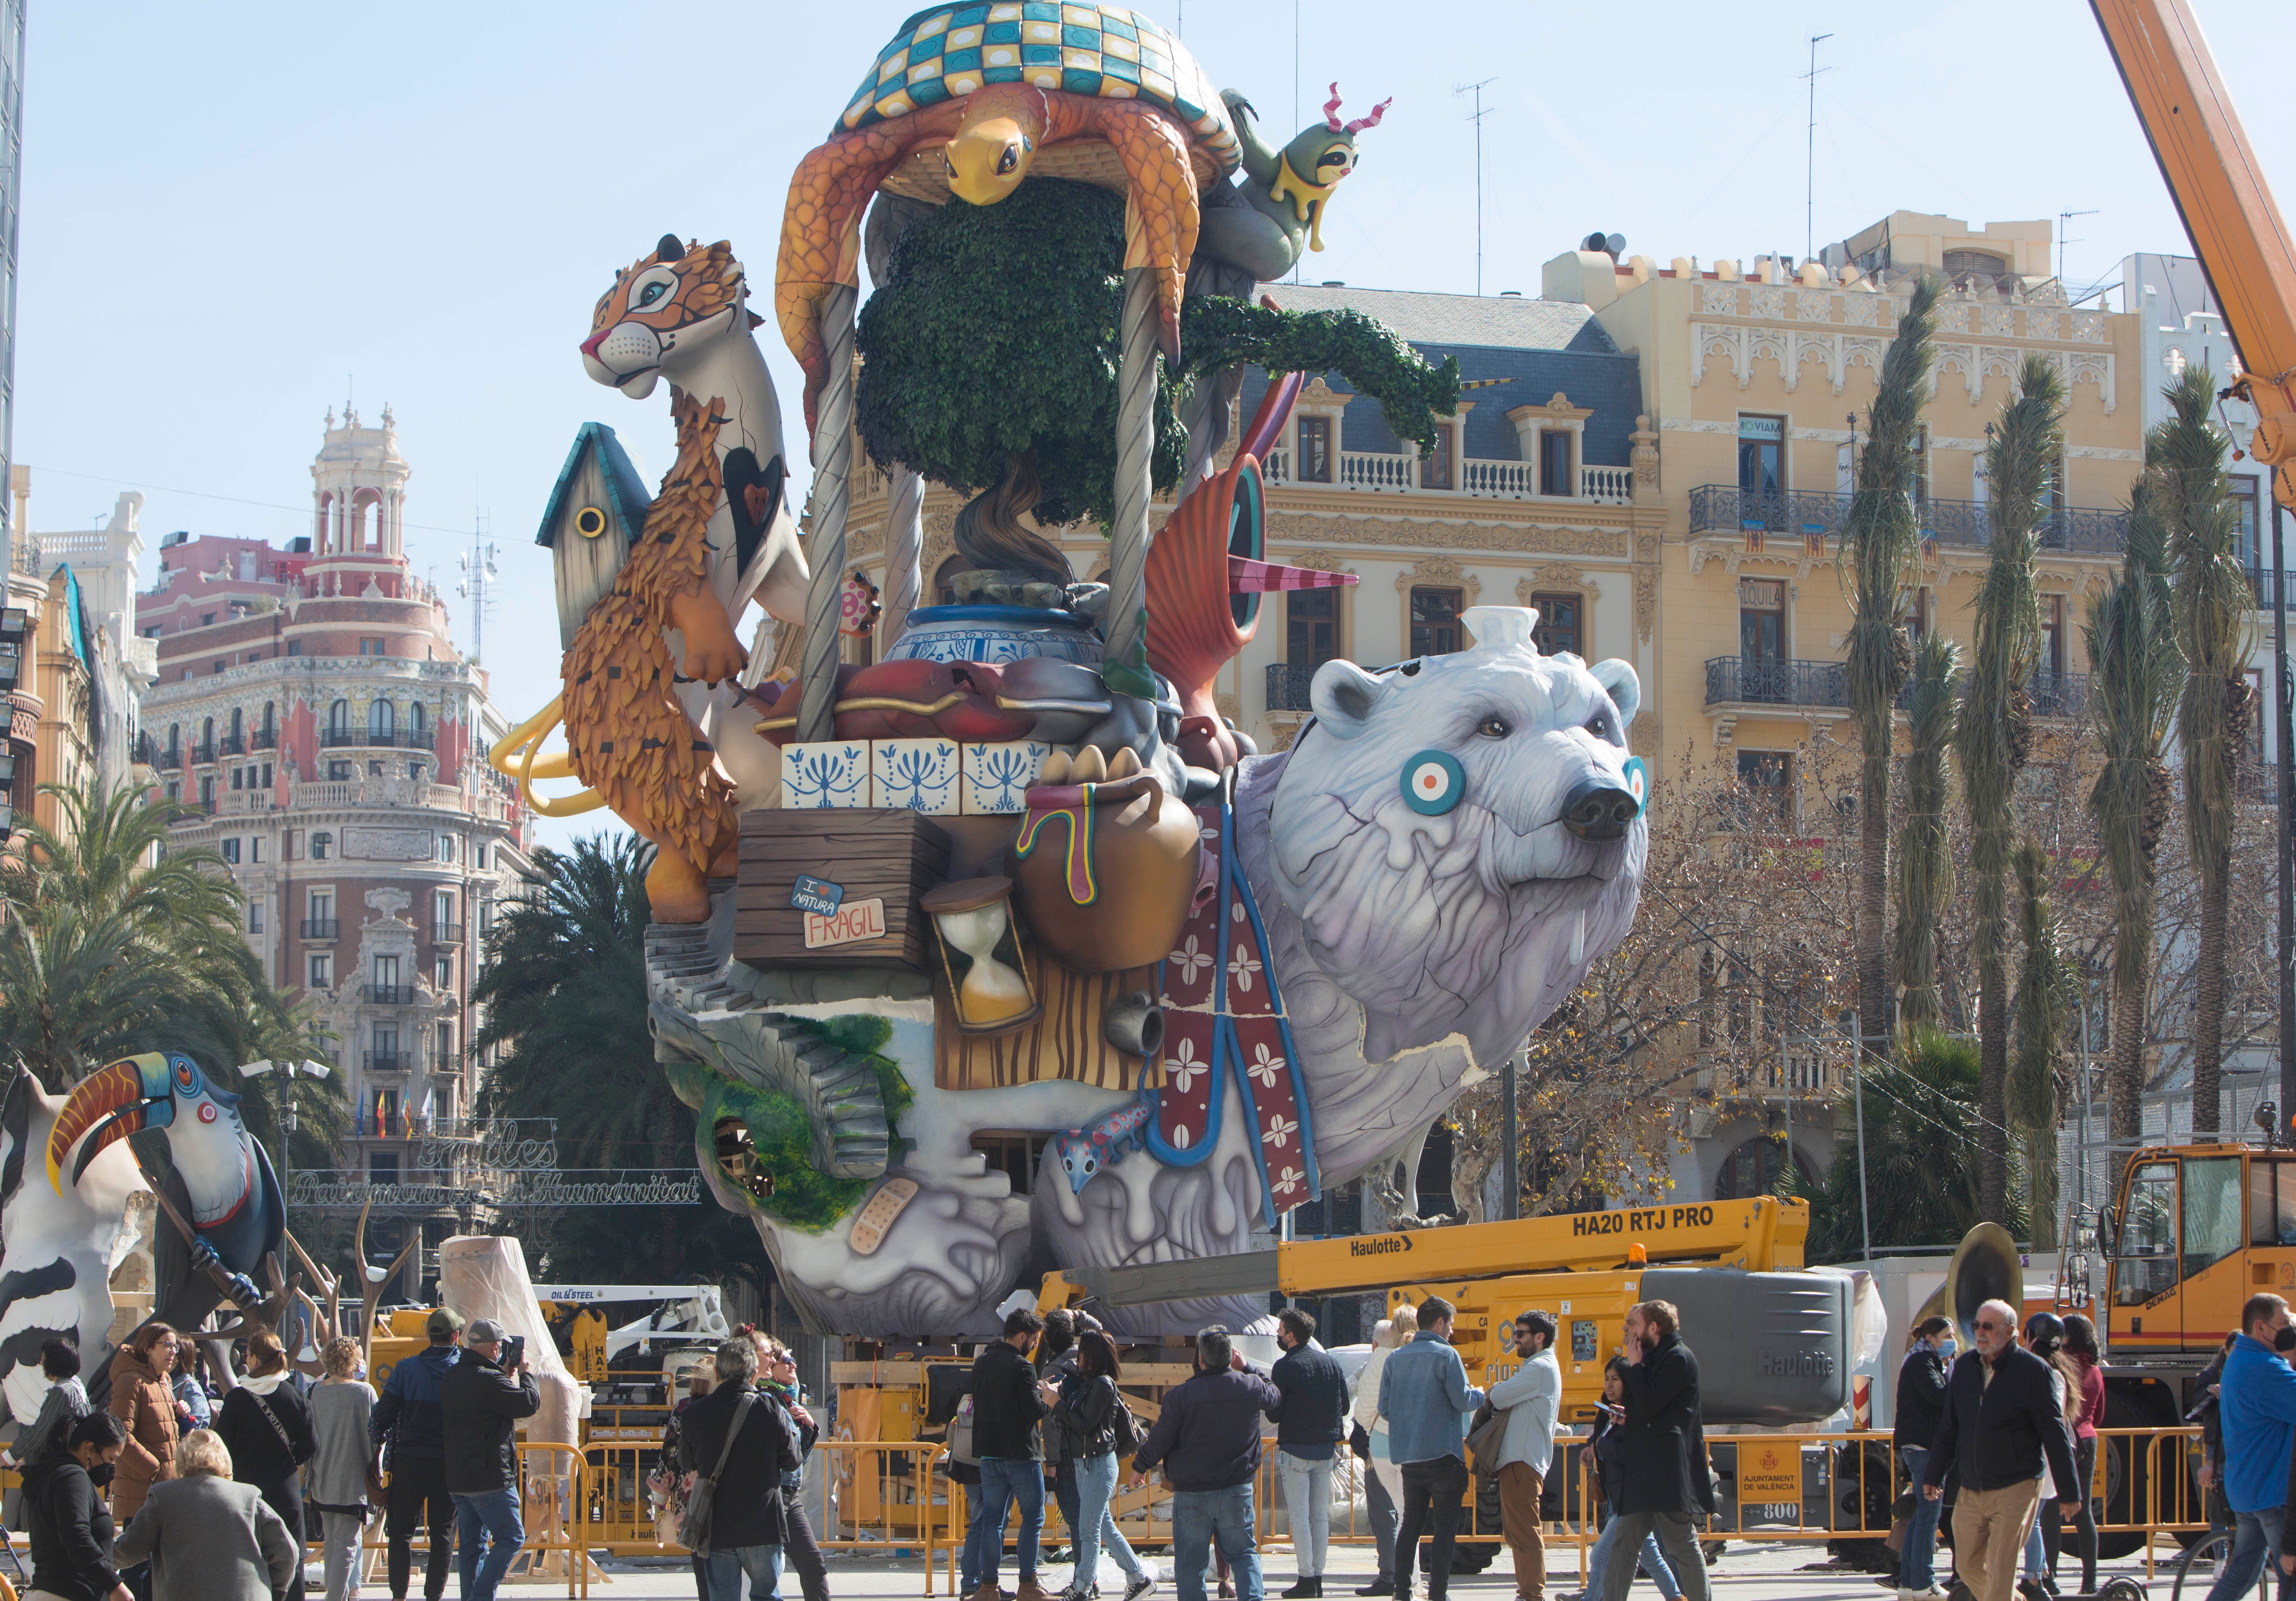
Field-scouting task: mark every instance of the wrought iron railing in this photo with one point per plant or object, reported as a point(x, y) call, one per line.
point(1797, 513)
point(201, 753)
point(264, 739)
point(1287, 687)
point(342, 735)
point(388, 995)
point(2058, 694)
point(385, 738)
point(388, 1061)
point(419, 739)
point(446, 933)
point(2260, 580)
point(1731, 679)
point(321, 927)
point(232, 745)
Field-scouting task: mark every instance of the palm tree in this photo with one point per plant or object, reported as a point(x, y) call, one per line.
point(2136, 671)
point(2045, 999)
point(1880, 548)
point(1996, 731)
point(2184, 459)
point(1925, 855)
point(566, 1010)
point(111, 944)
point(1921, 1120)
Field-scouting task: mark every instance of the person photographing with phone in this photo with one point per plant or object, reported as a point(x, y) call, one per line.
point(482, 1398)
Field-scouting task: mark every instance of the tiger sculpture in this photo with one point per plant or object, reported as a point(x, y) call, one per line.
point(651, 704)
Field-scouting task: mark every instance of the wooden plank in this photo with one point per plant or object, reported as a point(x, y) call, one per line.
point(1066, 1042)
point(872, 853)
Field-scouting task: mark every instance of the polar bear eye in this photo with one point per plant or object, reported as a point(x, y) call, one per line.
point(1494, 727)
point(1599, 726)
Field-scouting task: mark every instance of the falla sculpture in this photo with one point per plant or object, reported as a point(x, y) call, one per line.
point(1018, 873)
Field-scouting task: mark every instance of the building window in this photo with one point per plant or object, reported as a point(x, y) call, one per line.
point(340, 773)
point(206, 619)
point(1438, 468)
point(445, 847)
point(1919, 621)
point(1315, 461)
point(2051, 664)
point(238, 774)
point(255, 848)
point(294, 647)
point(255, 917)
point(339, 723)
point(207, 791)
point(1767, 776)
point(1554, 475)
point(374, 770)
point(323, 970)
point(322, 844)
point(1311, 626)
point(385, 1047)
point(446, 1046)
point(2245, 502)
point(175, 792)
point(482, 854)
point(382, 722)
point(386, 972)
point(267, 775)
point(369, 646)
point(382, 1166)
point(1762, 620)
point(442, 973)
point(231, 851)
point(1434, 622)
point(414, 770)
point(1762, 471)
point(1753, 1168)
point(1557, 629)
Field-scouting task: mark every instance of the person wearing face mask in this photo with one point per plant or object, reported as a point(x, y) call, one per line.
point(71, 1527)
point(1921, 1403)
point(2257, 1404)
point(343, 1488)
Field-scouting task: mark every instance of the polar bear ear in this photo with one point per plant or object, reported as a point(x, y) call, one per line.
point(1617, 680)
point(1343, 696)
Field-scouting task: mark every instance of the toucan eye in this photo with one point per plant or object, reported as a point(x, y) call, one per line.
point(1006, 162)
point(1494, 727)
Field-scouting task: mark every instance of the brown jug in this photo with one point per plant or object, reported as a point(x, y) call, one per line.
point(1105, 873)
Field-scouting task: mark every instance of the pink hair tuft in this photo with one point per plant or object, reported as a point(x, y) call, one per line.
point(1332, 110)
point(1370, 121)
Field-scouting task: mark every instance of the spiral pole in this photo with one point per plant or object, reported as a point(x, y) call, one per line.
point(905, 549)
point(833, 499)
point(1135, 442)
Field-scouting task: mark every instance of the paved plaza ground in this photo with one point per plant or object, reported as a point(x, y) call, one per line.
point(1749, 1571)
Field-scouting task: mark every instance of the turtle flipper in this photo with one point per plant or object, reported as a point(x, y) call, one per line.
point(1160, 219)
point(821, 226)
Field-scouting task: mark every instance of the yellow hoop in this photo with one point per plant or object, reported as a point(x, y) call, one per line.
point(506, 759)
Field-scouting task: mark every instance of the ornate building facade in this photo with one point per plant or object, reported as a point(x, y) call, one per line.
point(312, 707)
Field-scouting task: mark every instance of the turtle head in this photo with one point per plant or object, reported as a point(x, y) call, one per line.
point(988, 158)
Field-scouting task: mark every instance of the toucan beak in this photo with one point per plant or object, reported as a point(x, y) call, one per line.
point(126, 1098)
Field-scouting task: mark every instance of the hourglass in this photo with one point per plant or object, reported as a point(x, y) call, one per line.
point(974, 919)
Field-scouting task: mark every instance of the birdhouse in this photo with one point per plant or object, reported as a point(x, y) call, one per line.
point(596, 512)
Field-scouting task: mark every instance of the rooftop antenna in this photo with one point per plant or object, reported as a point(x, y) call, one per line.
point(1809, 155)
point(478, 574)
point(1477, 118)
point(2063, 219)
point(1295, 95)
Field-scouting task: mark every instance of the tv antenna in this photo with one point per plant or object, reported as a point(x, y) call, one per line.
point(1809, 154)
point(479, 576)
point(2063, 219)
point(1476, 117)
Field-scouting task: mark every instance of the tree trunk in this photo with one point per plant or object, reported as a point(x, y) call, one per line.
point(2041, 1179)
point(2124, 1074)
point(1993, 1087)
point(1873, 906)
point(2208, 995)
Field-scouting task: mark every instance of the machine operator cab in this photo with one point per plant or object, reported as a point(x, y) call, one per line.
point(2196, 1231)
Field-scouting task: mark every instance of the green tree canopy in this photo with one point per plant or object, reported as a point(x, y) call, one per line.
point(566, 1009)
point(996, 334)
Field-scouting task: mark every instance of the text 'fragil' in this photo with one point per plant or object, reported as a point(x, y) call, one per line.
point(848, 924)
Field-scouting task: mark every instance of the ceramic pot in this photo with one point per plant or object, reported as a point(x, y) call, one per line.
point(995, 634)
point(1105, 873)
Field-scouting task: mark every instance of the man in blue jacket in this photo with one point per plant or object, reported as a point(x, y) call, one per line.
point(1424, 1392)
point(1311, 1421)
point(2258, 1406)
point(407, 1422)
point(1207, 1439)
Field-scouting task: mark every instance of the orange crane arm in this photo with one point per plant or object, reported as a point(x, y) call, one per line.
point(2236, 230)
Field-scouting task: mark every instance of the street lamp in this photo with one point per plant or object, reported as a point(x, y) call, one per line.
point(288, 1072)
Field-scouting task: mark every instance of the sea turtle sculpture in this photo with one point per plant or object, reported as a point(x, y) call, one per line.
point(970, 99)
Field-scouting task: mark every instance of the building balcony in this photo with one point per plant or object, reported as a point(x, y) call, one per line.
point(446, 1061)
point(264, 739)
point(1812, 513)
point(232, 745)
point(446, 933)
point(169, 761)
point(1750, 682)
point(419, 739)
point(202, 755)
point(2058, 694)
point(1399, 472)
point(333, 738)
point(326, 928)
point(1287, 687)
point(390, 1061)
point(382, 738)
point(388, 994)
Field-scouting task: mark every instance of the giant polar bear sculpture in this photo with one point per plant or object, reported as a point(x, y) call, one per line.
point(1445, 850)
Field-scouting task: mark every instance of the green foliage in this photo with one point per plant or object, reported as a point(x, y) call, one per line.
point(1218, 332)
point(2183, 466)
point(111, 944)
point(782, 1131)
point(1920, 1126)
point(565, 995)
point(860, 1034)
point(996, 333)
point(1924, 864)
point(2045, 992)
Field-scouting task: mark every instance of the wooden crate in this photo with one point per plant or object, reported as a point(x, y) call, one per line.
point(893, 855)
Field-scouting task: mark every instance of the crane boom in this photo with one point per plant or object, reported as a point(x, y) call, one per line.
point(2219, 189)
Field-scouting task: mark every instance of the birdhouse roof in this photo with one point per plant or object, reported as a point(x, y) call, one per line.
point(624, 488)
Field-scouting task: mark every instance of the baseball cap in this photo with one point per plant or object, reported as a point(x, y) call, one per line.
point(486, 1331)
point(443, 1322)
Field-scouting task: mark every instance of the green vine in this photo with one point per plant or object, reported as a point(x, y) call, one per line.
point(1216, 332)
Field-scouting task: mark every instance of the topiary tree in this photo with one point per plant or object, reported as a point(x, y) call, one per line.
point(990, 363)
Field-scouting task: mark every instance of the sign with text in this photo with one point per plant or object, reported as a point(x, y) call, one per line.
point(847, 926)
point(816, 895)
point(1769, 1473)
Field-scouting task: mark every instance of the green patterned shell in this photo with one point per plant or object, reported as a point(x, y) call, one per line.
point(947, 53)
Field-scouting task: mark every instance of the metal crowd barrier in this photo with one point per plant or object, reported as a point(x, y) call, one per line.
point(554, 1485)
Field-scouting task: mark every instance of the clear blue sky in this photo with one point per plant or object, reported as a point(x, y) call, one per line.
point(232, 212)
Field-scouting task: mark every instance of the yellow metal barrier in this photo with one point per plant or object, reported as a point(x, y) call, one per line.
point(554, 1485)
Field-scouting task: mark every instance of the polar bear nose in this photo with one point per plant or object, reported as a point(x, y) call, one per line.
point(1598, 812)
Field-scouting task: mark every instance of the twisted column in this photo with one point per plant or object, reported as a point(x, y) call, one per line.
point(833, 499)
point(1135, 441)
point(905, 549)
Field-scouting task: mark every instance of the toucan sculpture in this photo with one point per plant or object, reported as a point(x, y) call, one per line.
point(220, 1191)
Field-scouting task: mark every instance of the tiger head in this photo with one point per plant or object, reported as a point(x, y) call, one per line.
point(662, 310)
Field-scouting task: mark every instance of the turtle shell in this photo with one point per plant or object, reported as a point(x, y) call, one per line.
point(1107, 50)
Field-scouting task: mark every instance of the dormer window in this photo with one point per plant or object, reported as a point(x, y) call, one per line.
point(1318, 458)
